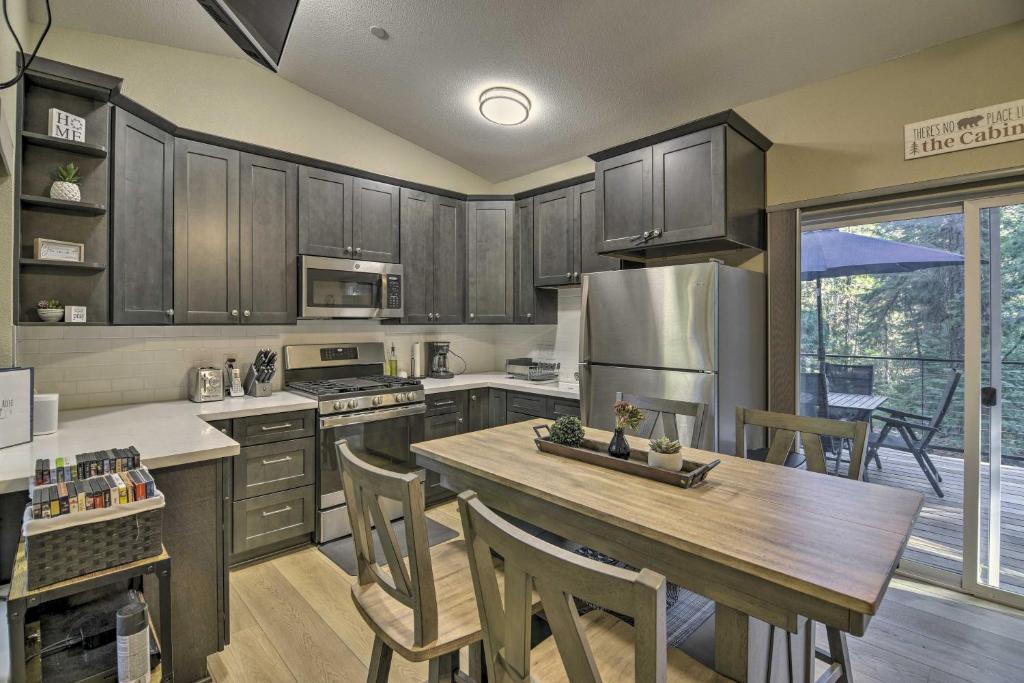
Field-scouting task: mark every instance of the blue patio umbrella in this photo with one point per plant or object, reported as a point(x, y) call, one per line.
point(835, 253)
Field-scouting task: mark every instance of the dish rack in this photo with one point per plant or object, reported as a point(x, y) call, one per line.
point(532, 370)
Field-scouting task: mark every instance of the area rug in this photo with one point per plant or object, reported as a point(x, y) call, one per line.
point(343, 553)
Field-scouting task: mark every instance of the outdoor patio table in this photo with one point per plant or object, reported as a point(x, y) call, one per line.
point(866, 402)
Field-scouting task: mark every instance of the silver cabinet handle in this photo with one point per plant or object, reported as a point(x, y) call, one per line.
point(246, 313)
point(472, 315)
point(234, 312)
point(529, 315)
point(170, 312)
point(268, 513)
point(461, 420)
point(359, 250)
point(444, 403)
point(271, 428)
point(575, 276)
point(655, 232)
point(276, 460)
point(348, 250)
point(472, 397)
point(437, 316)
point(430, 316)
point(568, 274)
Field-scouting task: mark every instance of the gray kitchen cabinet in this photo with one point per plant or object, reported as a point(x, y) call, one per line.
point(479, 409)
point(325, 213)
point(588, 260)
point(206, 253)
point(268, 240)
point(433, 238)
point(623, 200)
point(490, 275)
point(497, 400)
point(554, 239)
point(142, 221)
point(375, 224)
point(532, 305)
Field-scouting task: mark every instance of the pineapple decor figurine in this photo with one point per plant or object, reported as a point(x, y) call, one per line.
point(666, 454)
point(568, 431)
point(65, 183)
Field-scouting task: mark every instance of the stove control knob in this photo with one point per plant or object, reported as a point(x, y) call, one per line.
point(339, 405)
point(377, 400)
point(353, 404)
point(399, 397)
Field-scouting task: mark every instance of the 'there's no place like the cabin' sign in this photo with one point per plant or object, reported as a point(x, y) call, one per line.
point(966, 130)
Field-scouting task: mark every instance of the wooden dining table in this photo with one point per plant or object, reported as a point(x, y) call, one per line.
point(770, 545)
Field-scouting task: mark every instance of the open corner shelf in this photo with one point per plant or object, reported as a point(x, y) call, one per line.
point(37, 323)
point(62, 205)
point(76, 265)
point(83, 148)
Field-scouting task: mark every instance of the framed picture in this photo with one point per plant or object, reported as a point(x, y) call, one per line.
point(66, 126)
point(56, 250)
point(74, 314)
point(16, 389)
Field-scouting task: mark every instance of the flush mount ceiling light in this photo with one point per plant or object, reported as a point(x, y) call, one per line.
point(504, 106)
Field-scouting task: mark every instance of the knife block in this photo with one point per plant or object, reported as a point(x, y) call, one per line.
point(255, 388)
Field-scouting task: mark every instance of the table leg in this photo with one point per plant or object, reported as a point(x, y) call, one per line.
point(732, 635)
point(166, 655)
point(16, 639)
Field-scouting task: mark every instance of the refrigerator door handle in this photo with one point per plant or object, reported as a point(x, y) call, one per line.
point(584, 397)
point(584, 332)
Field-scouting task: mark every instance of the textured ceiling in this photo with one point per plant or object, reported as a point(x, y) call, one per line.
point(600, 72)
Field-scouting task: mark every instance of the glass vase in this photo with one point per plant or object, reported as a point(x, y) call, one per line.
point(619, 447)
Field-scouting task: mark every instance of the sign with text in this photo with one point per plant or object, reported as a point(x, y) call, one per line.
point(966, 130)
point(67, 126)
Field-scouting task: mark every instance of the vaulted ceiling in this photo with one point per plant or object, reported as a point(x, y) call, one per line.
point(599, 72)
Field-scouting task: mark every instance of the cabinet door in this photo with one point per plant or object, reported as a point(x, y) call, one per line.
point(449, 261)
point(325, 213)
point(479, 409)
point(623, 202)
point(375, 226)
point(585, 223)
point(553, 239)
point(689, 191)
point(268, 238)
point(142, 221)
point(206, 273)
point(489, 276)
point(497, 402)
point(417, 237)
point(440, 426)
point(525, 300)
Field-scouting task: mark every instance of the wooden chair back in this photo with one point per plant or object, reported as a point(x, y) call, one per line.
point(558, 576)
point(411, 585)
point(783, 429)
point(667, 410)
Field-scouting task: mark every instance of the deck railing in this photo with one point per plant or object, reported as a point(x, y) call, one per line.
point(916, 384)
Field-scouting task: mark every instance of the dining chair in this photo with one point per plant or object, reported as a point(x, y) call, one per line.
point(423, 608)
point(783, 429)
point(667, 411)
point(590, 648)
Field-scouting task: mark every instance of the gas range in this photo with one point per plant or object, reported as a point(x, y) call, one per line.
point(349, 395)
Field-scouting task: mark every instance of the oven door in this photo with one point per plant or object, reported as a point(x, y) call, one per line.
point(381, 438)
point(341, 288)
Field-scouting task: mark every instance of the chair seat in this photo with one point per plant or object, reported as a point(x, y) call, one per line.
point(611, 642)
point(458, 623)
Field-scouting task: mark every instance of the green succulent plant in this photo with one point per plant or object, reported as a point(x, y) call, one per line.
point(67, 173)
point(665, 445)
point(49, 303)
point(568, 431)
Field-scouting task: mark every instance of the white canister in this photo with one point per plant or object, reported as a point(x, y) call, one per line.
point(44, 413)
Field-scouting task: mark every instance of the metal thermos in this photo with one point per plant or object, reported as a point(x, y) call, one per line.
point(133, 643)
point(418, 361)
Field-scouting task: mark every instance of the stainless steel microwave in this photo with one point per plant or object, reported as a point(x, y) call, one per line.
point(343, 288)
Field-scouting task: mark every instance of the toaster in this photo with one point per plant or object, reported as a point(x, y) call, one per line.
point(205, 384)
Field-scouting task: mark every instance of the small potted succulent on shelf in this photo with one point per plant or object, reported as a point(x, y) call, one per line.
point(568, 431)
point(50, 310)
point(628, 416)
point(65, 183)
point(666, 454)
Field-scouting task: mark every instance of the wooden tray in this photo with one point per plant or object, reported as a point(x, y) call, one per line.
point(596, 453)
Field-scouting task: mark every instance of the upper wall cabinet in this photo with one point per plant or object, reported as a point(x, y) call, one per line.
point(588, 260)
point(699, 192)
point(490, 274)
point(433, 238)
point(532, 305)
point(375, 225)
point(142, 223)
point(325, 213)
point(554, 239)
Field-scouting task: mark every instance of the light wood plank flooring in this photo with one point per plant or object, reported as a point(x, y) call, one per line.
point(292, 619)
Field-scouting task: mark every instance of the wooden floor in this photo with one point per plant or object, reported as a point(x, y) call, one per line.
point(937, 540)
point(292, 619)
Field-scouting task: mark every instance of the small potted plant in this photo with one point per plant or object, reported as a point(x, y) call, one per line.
point(65, 183)
point(629, 416)
point(50, 310)
point(568, 431)
point(666, 454)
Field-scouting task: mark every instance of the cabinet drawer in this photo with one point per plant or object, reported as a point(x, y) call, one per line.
point(448, 402)
point(528, 404)
point(274, 467)
point(563, 406)
point(275, 427)
point(275, 517)
point(511, 417)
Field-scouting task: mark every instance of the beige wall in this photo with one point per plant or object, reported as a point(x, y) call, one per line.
point(8, 105)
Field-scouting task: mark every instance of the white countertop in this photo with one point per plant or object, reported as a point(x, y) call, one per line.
point(499, 380)
point(166, 434)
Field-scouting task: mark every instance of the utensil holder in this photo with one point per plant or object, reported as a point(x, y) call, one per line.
point(256, 388)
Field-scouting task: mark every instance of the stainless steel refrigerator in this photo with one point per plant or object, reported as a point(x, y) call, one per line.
point(692, 333)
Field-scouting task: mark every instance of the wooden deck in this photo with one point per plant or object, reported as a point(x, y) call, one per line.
point(937, 540)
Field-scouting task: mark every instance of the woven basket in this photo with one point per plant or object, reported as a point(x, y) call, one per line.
point(86, 548)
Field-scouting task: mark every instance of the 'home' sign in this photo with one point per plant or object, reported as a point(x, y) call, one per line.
point(67, 126)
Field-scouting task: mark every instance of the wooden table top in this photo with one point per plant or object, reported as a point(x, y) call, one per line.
point(835, 540)
point(855, 401)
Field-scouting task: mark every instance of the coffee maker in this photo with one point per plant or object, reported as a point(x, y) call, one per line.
point(437, 360)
